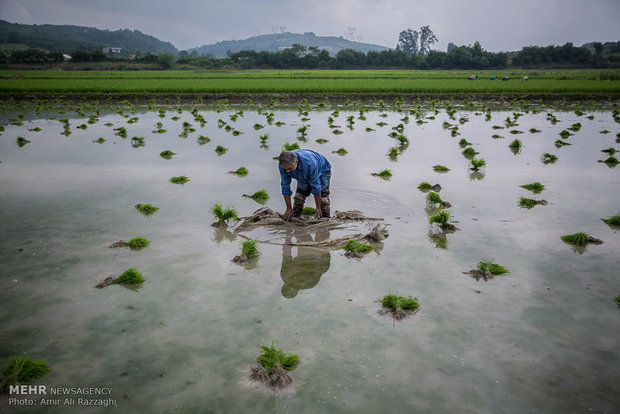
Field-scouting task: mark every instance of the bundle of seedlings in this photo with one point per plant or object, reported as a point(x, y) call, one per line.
point(22, 370)
point(385, 174)
point(425, 187)
point(129, 277)
point(137, 243)
point(399, 307)
point(137, 142)
point(434, 200)
point(179, 180)
point(613, 221)
point(308, 211)
point(463, 143)
point(469, 152)
point(260, 196)
point(290, 147)
point(477, 163)
point(220, 150)
point(242, 171)
point(203, 140)
point(486, 270)
point(617, 300)
point(356, 249)
point(580, 239)
point(146, 209)
point(440, 168)
point(531, 203)
point(21, 141)
point(223, 215)
point(273, 368)
point(559, 143)
point(611, 160)
point(249, 252)
point(442, 218)
point(341, 152)
point(515, 146)
point(548, 158)
point(167, 154)
point(99, 140)
point(534, 187)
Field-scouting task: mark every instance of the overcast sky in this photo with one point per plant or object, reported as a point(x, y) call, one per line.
point(497, 24)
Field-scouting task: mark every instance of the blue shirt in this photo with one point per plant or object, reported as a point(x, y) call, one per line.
point(310, 168)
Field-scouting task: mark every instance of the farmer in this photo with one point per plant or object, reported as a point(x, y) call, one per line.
point(312, 172)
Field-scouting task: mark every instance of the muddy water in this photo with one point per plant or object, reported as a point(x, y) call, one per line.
point(542, 339)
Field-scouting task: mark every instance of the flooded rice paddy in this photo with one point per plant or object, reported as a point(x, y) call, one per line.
point(543, 338)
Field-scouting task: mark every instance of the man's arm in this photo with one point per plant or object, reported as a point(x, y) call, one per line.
point(289, 208)
point(317, 201)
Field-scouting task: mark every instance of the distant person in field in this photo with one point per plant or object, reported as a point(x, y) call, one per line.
point(312, 172)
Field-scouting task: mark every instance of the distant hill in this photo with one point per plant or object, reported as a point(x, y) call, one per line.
point(279, 41)
point(69, 38)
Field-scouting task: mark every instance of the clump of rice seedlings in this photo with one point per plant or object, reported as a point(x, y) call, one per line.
point(575, 127)
point(203, 140)
point(220, 150)
point(236, 132)
point(610, 150)
point(99, 140)
point(264, 137)
point(279, 123)
point(258, 126)
point(273, 367)
point(21, 141)
point(605, 131)
point(393, 152)
point(516, 144)
point(249, 252)
point(530, 202)
point(337, 132)
point(121, 132)
point(302, 130)
point(515, 131)
point(181, 179)
point(341, 152)
point(321, 141)
point(308, 211)
point(486, 270)
point(565, 134)
point(383, 174)
point(469, 152)
point(260, 196)
point(433, 199)
point(136, 243)
point(240, 171)
point(440, 168)
point(559, 143)
point(617, 300)
point(137, 142)
point(613, 221)
point(22, 370)
point(130, 276)
point(146, 209)
point(223, 215)
point(35, 129)
point(548, 158)
point(611, 160)
point(534, 187)
point(534, 130)
point(580, 239)
point(356, 249)
point(463, 143)
point(497, 127)
point(166, 154)
point(442, 218)
point(424, 186)
point(477, 163)
point(381, 124)
point(290, 147)
point(399, 307)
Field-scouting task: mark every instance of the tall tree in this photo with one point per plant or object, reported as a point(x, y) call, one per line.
point(427, 38)
point(408, 42)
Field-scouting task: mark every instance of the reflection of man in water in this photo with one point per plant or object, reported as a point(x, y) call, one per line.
point(305, 270)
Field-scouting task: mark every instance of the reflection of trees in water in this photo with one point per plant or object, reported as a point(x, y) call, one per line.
point(304, 270)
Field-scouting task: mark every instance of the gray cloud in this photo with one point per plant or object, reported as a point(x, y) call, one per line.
point(497, 24)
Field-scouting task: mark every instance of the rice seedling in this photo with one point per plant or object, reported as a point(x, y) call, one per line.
point(36, 129)
point(575, 127)
point(258, 126)
point(433, 199)
point(290, 147)
point(260, 195)
point(99, 140)
point(442, 218)
point(203, 140)
point(369, 129)
point(534, 187)
point(179, 180)
point(21, 141)
point(383, 174)
point(22, 370)
point(121, 132)
point(166, 154)
point(463, 143)
point(136, 243)
point(308, 211)
point(236, 132)
point(223, 215)
point(548, 158)
point(249, 249)
point(440, 168)
point(220, 150)
point(577, 239)
point(516, 144)
point(514, 132)
point(565, 134)
point(497, 127)
point(130, 276)
point(241, 171)
point(469, 152)
point(424, 186)
point(610, 150)
point(534, 130)
point(491, 267)
point(613, 221)
point(604, 131)
point(321, 141)
point(302, 130)
point(264, 137)
point(530, 203)
point(273, 367)
point(399, 307)
point(337, 132)
point(137, 142)
point(146, 209)
point(559, 143)
point(611, 160)
point(617, 300)
point(356, 249)
point(477, 163)
point(393, 152)
point(496, 136)
point(381, 124)
point(341, 152)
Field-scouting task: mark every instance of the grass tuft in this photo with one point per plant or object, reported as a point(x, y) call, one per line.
point(577, 239)
point(22, 370)
point(260, 195)
point(424, 186)
point(224, 214)
point(493, 268)
point(179, 180)
point(249, 249)
point(242, 171)
point(393, 302)
point(357, 247)
point(535, 187)
point(130, 276)
point(308, 211)
point(146, 209)
point(138, 243)
point(440, 168)
point(613, 220)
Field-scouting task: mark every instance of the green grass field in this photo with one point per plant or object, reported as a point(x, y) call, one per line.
point(560, 82)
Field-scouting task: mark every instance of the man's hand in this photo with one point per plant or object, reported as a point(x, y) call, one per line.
point(288, 214)
point(319, 214)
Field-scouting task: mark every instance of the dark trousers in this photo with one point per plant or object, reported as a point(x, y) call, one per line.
point(303, 191)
